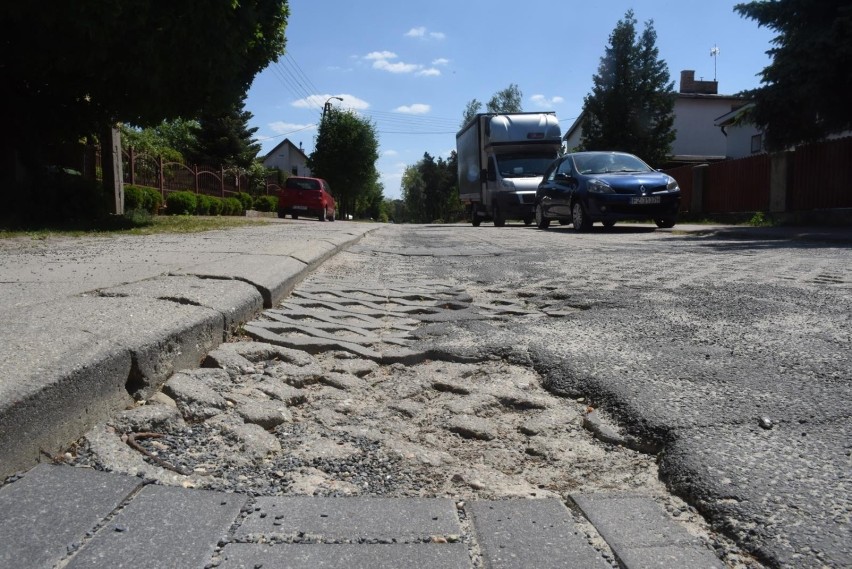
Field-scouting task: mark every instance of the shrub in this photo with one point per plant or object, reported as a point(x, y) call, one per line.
point(202, 204)
point(216, 205)
point(266, 203)
point(134, 198)
point(181, 203)
point(232, 206)
point(246, 201)
point(152, 200)
point(138, 217)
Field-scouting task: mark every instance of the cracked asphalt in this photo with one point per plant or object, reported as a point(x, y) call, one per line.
point(464, 362)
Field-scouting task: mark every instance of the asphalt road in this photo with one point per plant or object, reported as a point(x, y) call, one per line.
point(730, 357)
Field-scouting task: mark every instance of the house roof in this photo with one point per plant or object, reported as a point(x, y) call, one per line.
point(283, 144)
point(734, 117)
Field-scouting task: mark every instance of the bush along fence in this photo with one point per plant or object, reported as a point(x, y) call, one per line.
point(812, 183)
point(168, 177)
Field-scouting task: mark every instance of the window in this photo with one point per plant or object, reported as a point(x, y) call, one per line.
point(756, 143)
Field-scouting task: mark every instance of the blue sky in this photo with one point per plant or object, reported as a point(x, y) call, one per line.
point(411, 66)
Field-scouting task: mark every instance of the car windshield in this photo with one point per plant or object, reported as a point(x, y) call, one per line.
point(523, 165)
point(608, 163)
point(302, 184)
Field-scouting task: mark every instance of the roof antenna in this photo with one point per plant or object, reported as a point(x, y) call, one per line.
point(714, 53)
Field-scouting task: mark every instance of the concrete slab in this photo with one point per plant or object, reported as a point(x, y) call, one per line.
point(235, 300)
point(67, 365)
point(336, 556)
point(531, 533)
point(641, 534)
point(273, 277)
point(403, 519)
point(49, 511)
point(163, 527)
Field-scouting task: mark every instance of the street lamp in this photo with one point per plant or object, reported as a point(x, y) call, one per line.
point(327, 105)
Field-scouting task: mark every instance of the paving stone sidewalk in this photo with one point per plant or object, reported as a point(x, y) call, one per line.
point(61, 516)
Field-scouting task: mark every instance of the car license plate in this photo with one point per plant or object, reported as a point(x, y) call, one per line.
point(642, 200)
point(300, 207)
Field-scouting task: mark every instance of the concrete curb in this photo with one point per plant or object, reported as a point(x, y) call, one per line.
point(82, 347)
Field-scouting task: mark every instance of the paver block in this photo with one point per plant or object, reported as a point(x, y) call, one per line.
point(163, 526)
point(50, 510)
point(404, 519)
point(531, 533)
point(641, 534)
point(345, 556)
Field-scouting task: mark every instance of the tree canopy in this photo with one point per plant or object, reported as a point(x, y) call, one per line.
point(224, 138)
point(71, 69)
point(345, 155)
point(506, 100)
point(430, 189)
point(631, 106)
point(806, 89)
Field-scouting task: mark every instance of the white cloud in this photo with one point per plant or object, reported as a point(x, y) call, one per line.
point(396, 67)
point(281, 127)
point(390, 153)
point(543, 102)
point(415, 109)
point(317, 102)
point(421, 32)
point(441, 61)
point(430, 72)
point(380, 55)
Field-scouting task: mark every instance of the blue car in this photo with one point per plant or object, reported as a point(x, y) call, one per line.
point(587, 187)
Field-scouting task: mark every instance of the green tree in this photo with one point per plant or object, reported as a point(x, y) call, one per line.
point(223, 138)
point(507, 100)
point(430, 190)
point(345, 154)
point(631, 106)
point(73, 69)
point(413, 195)
point(471, 110)
point(169, 139)
point(806, 90)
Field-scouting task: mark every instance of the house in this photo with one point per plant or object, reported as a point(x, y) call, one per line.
point(697, 106)
point(287, 158)
point(743, 138)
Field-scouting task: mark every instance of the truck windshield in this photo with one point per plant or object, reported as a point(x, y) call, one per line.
point(523, 165)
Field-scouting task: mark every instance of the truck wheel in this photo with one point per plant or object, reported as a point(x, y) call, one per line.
point(528, 220)
point(499, 218)
point(540, 221)
point(475, 220)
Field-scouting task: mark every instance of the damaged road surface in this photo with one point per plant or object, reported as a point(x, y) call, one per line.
point(707, 378)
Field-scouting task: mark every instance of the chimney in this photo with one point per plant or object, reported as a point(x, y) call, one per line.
point(688, 84)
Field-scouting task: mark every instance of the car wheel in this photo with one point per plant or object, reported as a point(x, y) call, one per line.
point(499, 218)
point(295, 216)
point(665, 222)
point(580, 218)
point(331, 217)
point(281, 215)
point(528, 220)
point(321, 215)
point(540, 221)
point(608, 224)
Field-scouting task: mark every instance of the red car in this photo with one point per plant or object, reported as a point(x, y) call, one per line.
point(306, 197)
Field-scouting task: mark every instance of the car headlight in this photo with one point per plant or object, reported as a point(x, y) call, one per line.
point(509, 184)
point(672, 185)
point(600, 187)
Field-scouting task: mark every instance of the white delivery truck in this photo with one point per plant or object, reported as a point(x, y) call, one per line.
point(501, 159)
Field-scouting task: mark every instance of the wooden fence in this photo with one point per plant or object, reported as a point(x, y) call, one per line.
point(814, 176)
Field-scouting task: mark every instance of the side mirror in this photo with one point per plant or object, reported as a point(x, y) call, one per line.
point(564, 177)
